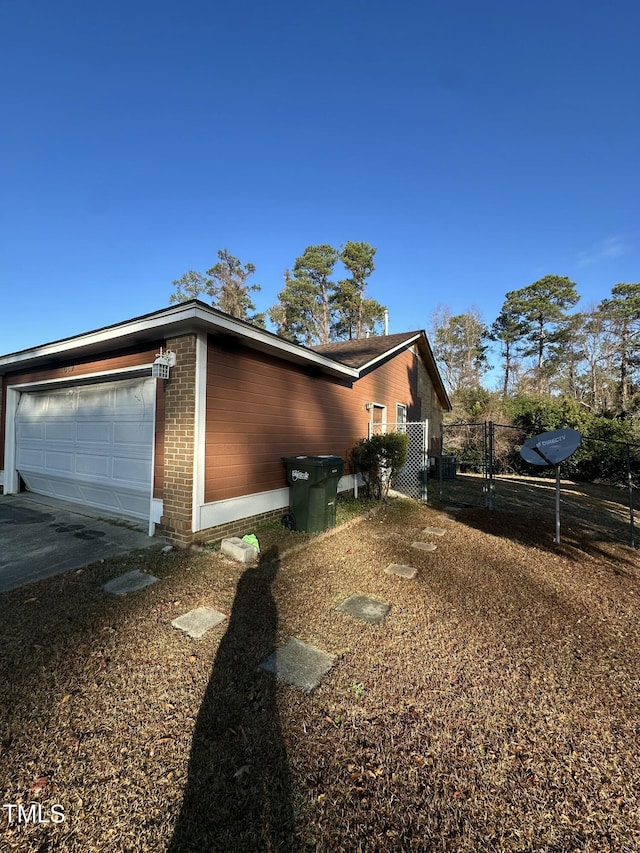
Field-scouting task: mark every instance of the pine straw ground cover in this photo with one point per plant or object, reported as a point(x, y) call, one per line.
point(495, 709)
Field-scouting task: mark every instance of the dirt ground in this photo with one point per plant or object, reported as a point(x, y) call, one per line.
point(495, 709)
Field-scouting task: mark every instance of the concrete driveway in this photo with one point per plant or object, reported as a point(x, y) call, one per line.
point(40, 537)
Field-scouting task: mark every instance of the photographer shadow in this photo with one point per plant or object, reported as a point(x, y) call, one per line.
point(238, 792)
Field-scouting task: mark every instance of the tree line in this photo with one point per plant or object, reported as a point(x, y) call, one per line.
point(557, 366)
point(312, 307)
point(545, 349)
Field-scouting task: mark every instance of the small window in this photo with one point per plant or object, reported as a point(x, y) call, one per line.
point(401, 414)
point(378, 418)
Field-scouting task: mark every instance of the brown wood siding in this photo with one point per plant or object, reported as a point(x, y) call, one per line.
point(77, 367)
point(260, 408)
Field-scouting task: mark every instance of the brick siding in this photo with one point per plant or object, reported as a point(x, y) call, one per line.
point(179, 434)
point(237, 528)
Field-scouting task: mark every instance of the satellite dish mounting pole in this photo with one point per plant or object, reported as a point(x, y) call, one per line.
point(630, 485)
point(558, 445)
point(557, 539)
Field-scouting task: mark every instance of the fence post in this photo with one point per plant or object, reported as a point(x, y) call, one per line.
point(440, 466)
point(491, 447)
point(425, 462)
point(485, 453)
point(630, 483)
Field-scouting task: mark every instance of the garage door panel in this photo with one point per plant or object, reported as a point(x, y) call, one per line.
point(93, 465)
point(28, 458)
point(33, 405)
point(92, 444)
point(96, 432)
point(29, 430)
point(106, 498)
point(94, 400)
point(132, 503)
point(59, 430)
point(130, 470)
point(132, 433)
point(57, 461)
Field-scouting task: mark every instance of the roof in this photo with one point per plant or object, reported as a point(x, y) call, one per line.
point(187, 317)
point(347, 359)
point(361, 352)
point(364, 353)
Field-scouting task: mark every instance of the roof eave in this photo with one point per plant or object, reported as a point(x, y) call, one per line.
point(423, 342)
point(184, 318)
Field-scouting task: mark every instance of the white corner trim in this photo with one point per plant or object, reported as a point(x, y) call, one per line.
point(10, 478)
point(199, 429)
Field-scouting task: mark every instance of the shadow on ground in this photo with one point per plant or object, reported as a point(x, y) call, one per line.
point(593, 519)
point(238, 793)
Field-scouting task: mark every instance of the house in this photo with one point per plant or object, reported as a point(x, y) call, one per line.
point(198, 455)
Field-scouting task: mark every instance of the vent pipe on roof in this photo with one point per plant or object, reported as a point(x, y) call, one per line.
point(386, 321)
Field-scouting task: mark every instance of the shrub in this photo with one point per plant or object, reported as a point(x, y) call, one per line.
point(379, 459)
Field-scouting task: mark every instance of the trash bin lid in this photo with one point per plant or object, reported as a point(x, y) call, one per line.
point(313, 460)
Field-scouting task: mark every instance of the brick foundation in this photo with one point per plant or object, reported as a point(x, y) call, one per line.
point(236, 528)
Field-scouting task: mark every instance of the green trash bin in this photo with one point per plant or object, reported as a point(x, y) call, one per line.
point(313, 489)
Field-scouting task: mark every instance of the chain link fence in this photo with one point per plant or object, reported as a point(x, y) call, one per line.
point(480, 466)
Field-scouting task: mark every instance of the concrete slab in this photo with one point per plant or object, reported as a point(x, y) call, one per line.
point(299, 664)
point(408, 572)
point(129, 582)
point(40, 537)
point(434, 531)
point(365, 608)
point(424, 546)
point(238, 550)
point(197, 622)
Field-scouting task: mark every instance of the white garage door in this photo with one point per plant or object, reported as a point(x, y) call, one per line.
point(91, 443)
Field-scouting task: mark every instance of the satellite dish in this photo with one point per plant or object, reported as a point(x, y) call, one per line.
point(529, 454)
point(551, 448)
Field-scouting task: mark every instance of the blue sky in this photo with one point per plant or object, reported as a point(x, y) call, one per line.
point(477, 145)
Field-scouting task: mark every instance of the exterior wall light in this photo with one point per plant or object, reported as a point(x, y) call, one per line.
point(163, 364)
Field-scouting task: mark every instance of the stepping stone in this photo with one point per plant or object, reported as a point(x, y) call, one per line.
point(365, 608)
point(197, 622)
point(424, 546)
point(434, 531)
point(454, 508)
point(298, 664)
point(239, 550)
point(130, 582)
point(408, 572)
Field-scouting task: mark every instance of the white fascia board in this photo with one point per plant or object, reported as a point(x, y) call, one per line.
point(178, 319)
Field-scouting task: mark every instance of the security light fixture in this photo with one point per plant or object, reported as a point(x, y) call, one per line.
point(161, 367)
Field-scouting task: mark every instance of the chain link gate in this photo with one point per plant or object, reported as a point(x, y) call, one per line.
point(412, 478)
point(475, 457)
